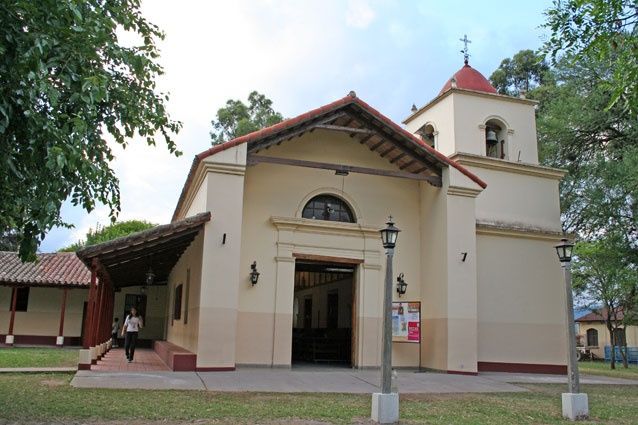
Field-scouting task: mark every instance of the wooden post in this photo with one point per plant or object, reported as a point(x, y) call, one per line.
point(97, 329)
point(89, 307)
point(60, 339)
point(14, 300)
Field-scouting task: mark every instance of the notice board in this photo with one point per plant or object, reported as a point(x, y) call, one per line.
point(406, 322)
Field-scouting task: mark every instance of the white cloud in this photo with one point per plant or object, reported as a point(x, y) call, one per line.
point(359, 14)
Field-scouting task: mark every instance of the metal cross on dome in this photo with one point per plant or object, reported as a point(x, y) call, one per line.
point(465, 51)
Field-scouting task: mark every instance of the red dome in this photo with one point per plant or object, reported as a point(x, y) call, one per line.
point(469, 78)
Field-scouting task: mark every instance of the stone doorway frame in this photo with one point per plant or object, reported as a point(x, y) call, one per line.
point(352, 243)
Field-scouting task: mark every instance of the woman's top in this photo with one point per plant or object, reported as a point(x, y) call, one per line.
point(132, 323)
point(114, 328)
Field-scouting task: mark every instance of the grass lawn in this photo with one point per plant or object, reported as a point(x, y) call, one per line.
point(50, 398)
point(602, 368)
point(38, 357)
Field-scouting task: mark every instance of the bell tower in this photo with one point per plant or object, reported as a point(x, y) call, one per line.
point(468, 116)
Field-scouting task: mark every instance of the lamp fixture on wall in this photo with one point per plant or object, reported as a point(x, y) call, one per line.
point(150, 276)
point(254, 274)
point(402, 285)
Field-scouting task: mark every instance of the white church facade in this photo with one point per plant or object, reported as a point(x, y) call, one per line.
point(303, 201)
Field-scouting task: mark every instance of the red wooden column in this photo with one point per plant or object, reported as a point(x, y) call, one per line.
point(14, 300)
point(60, 339)
point(90, 305)
point(99, 308)
point(109, 311)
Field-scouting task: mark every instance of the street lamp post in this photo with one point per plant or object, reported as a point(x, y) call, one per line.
point(385, 405)
point(575, 404)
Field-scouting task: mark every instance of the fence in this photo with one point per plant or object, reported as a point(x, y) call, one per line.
point(632, 354)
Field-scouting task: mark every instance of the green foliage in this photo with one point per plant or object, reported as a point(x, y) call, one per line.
point(605, 275)
point(237, 119)
point(604, 31)
point(8, 240)
point(595, 144)
point(68, 87)
point(110, 232)
point(603, 270)
point(523, 72)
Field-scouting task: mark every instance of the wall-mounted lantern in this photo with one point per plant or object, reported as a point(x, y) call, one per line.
point(254, 274)
point(564, 251)
point(150, 276)
point(402, 285)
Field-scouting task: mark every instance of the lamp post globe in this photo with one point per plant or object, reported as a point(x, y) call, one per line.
point(389, 234)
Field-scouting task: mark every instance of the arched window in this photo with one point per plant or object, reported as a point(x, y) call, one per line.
point(495, 139)
point(328, 207)
point(428, 134)
point(592, 338)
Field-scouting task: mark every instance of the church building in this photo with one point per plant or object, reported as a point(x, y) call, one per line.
point(274, 258)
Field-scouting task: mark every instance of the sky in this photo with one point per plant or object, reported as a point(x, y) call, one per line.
point(300, 54)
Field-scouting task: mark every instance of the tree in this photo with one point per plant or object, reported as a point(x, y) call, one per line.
point(595, 144)
point(8, 240)
point(237, 119)
point(110, 232)
point(523, 72)
point(604, 31)
point(69, 88)
point(606, 279)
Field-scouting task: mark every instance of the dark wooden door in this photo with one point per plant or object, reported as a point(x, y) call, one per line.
point(333, 310)
point(135, 300)
point(307, 313)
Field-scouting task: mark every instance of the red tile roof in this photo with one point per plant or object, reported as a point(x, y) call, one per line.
point(469, 78)
point(55, 269)
point(598, 316)
point(330, 107)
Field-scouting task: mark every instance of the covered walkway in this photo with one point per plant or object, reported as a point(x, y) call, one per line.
point(146, 360)
point(142, 259)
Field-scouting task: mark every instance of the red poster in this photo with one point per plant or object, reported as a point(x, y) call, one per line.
point(413, 331)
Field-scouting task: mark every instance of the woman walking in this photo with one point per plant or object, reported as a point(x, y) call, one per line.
point(132, 325)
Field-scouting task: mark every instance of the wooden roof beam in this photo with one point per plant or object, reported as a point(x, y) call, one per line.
point(256, 159)
point(350, 130)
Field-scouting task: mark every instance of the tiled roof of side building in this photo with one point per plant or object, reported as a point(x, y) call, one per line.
point(54, 269)
point(599, 316)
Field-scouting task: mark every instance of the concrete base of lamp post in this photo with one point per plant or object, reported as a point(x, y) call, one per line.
point(385, 408)
point(575, 406)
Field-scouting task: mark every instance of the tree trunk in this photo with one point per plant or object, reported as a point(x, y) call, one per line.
point(612, 350)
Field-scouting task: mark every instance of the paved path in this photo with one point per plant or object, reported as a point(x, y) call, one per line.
point(141, 380)
point(326, 380)
point(533, 378)
point(37, 369)
point(278, 380)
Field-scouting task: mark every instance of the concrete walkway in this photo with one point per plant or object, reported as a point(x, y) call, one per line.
point(534, 378)
point(326, 380)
